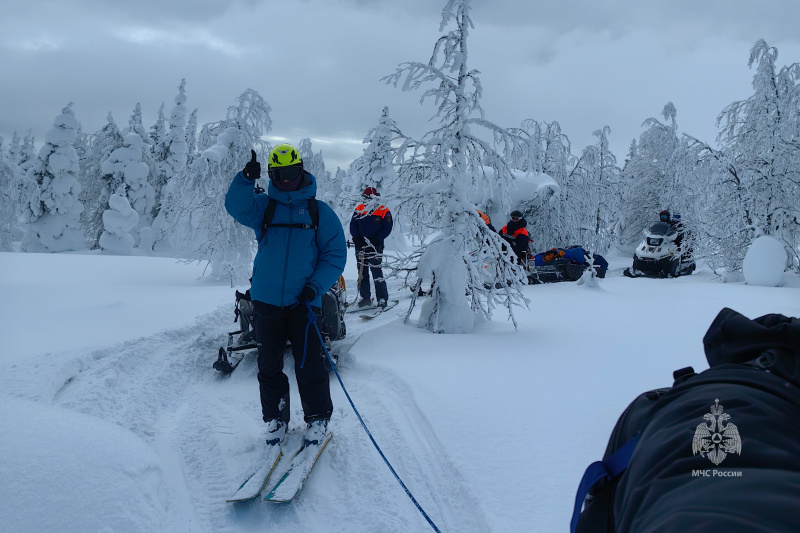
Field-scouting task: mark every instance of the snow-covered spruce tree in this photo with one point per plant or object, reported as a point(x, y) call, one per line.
point(13, 153)
point(126, 170)
point(135, 125)
point(171, 154)
point(449, 164)
point(193, 213)
point(315, 164)
point(52, 216)
point(191, 137)
point(97, 185)
point(27, 153)
point(157, 133)
point(760, 138)
point(8, 211)
point(375, 167)
point(118, 220)
point(649, 181)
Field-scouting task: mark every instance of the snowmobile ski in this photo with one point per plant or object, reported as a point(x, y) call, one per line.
point(379, 310)
point(293, 480)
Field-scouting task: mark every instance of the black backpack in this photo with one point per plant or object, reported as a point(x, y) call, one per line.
point(594, 502)
point(755, 363)
point(266, 222)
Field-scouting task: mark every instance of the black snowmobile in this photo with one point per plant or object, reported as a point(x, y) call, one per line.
point(242, 341)
point(661, 254)
point(564, 264)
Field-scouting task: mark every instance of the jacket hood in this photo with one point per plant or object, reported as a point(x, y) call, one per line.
point(303, 193)
point(734, 338)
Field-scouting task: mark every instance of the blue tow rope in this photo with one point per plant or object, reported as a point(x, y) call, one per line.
point(312, 319)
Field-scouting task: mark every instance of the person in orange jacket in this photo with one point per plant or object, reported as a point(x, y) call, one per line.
point(516, 233)
point(369, 227)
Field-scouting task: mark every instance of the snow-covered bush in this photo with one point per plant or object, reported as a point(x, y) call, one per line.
point(764, 262)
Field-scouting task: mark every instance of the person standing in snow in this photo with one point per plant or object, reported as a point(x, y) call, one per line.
point(516, 233)
point(295, 264)
point(370, 225)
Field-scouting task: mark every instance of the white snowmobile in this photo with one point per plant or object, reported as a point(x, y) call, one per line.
point(659, 256)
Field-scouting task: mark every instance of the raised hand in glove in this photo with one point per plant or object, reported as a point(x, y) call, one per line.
point(308, 294)
point(252, 170)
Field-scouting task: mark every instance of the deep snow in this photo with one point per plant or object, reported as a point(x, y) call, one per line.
point(113, 419)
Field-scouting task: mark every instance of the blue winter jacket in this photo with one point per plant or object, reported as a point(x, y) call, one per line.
point(288, 259)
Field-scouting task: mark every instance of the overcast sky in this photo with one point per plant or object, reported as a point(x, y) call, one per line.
point(318, 63)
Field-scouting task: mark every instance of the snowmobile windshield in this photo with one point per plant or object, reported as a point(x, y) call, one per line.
point(661, 229)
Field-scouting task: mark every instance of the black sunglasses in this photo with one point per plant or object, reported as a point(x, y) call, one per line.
point(281, 174)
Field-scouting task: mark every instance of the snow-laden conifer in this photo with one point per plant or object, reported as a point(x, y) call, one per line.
point(191, 137)
point(172, 153)
point(157, 133)
point(52, 215)
point(8, 211)
point(118, 220)
point(193, 215)
point(96, 184)
point(441, 174)
point(13, 153)
point(125, 171)
point(315, 164)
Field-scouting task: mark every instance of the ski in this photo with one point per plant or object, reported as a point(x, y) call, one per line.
point(379, 310)
point(292, 481)
point(257, 481)
point(353, 308)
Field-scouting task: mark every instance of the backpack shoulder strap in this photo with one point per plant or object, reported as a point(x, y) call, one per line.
point(313, 210)
point(269, 213)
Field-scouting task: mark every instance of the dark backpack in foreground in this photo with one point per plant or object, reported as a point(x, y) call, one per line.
point(719, 449)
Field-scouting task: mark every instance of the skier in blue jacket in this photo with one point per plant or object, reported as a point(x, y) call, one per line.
point(293, 265)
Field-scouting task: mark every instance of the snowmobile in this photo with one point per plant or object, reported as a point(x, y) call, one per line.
point(564, 264)
point(659, 256)
point(242, 341)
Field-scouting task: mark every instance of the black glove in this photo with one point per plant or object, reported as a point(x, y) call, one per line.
point(252, 170)
point(308, 294)
point(359, 242)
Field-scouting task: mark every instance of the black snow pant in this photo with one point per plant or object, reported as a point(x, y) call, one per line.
point(369, 261)
point(273, 327)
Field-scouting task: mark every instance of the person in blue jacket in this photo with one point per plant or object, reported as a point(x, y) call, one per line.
point(370, 225)
point(293, 266)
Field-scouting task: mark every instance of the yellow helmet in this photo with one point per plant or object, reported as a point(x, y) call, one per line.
point(284, 155)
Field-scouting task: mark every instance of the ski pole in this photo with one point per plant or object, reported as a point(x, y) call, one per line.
point(312, 318)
